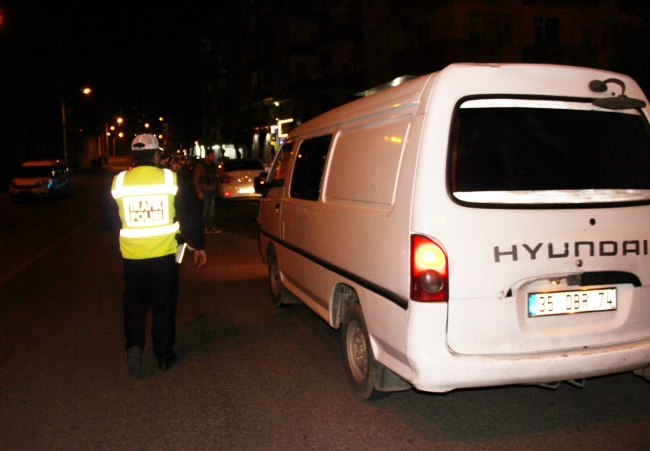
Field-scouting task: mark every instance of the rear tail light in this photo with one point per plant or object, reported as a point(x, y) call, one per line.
point(429, 270)
point(224, 179)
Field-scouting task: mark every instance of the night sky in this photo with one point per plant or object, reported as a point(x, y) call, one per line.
point(136, 53)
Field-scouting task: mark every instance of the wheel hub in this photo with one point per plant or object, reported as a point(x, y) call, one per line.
point(357, 352)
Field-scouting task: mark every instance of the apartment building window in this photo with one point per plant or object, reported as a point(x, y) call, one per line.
point(224, 80)
point(547, 31)
point(206, 45)
point(325, 62)
point(341, 15)
point(301, 71)
point(490, 27)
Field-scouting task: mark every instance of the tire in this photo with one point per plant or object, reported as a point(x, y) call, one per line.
point(360, 364)
point(275, 281)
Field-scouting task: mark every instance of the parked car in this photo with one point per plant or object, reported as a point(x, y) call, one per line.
point(40, 178)
point(483, 225)
point(235, 179)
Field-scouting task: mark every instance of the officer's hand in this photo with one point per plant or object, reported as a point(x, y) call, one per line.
point(200, 258)
point(200, 195)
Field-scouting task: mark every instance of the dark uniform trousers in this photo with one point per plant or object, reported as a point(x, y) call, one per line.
point(151, 282)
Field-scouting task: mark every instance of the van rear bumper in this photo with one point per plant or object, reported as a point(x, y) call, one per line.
point(435, 368)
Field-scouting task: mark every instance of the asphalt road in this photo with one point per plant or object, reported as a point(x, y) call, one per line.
point(250, 377)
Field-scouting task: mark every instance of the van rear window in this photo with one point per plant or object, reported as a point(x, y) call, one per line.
point(522, 151)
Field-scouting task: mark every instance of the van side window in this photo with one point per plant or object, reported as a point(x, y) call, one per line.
point(280, 170)
point(309, 166)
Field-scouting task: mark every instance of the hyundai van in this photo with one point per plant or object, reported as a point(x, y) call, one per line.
point(479, 226)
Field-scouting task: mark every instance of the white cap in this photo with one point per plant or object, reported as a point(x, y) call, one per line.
point(144, 142)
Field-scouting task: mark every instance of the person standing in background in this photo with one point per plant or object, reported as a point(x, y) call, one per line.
point(205, 184)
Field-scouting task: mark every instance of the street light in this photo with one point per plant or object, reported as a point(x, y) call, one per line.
point(165, 136)
point(109, 130)
point(85, 91)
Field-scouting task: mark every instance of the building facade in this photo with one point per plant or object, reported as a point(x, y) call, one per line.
point(266, 61)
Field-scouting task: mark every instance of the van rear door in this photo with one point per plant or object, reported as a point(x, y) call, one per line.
point(558, 194)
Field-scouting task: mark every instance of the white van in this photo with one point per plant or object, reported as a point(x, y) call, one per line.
point(483, 225)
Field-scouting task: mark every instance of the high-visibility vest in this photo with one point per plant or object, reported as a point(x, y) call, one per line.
point(145, 197)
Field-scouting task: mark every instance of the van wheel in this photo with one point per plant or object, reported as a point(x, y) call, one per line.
point(275, 282)
point(360, 364)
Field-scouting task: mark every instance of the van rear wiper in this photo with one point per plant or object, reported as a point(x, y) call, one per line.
point(620, 102)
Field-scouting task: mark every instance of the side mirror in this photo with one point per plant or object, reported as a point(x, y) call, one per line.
point(260, 184)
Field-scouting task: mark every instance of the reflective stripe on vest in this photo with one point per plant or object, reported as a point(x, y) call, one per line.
point(143, 223)
point(150, 231)
point(167, 188)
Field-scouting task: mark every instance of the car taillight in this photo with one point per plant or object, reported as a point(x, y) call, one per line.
point(429, 270)
point(224, 179)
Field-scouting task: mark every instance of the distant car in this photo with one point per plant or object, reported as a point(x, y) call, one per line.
point(40, 178)
point(235, 179)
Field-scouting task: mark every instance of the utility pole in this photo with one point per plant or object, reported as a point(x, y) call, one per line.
point(63, 124)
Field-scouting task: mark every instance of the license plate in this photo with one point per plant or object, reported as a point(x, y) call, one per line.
point(570, 302)
point(246, 190)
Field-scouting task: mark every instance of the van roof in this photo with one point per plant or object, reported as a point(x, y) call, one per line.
point(461, 79)
point(406, 94)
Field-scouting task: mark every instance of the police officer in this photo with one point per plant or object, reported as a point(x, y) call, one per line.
point(151, 209)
